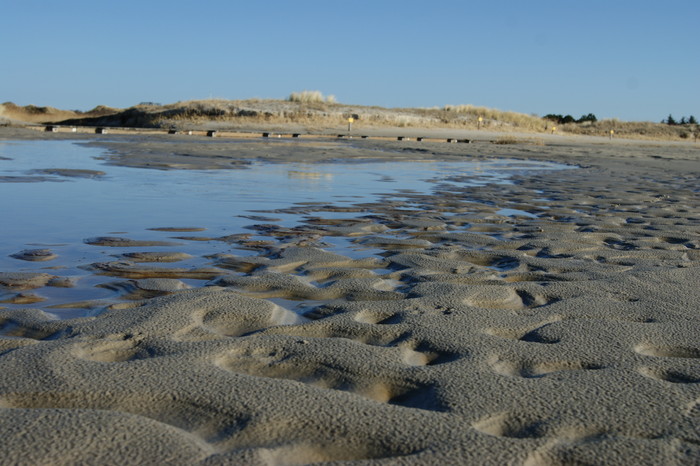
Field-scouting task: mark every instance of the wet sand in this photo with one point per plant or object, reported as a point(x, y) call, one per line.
point(566, 333)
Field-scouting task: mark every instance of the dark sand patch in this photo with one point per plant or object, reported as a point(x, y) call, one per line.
point(35, 255)
point(71, 172)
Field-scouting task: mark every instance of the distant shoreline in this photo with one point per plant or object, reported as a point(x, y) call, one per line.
point(329, 117)
point(289, 131)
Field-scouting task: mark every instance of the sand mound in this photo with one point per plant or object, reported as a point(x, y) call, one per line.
point(34, 114)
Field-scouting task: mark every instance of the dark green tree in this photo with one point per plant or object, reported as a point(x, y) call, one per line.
point(561, 119)
point(590, 117)
point(692, 120)
point(670, 120)
point(568, 119)
point(553, 117)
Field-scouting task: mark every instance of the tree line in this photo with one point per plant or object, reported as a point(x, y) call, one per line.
point(683, 121)
point(562, 119)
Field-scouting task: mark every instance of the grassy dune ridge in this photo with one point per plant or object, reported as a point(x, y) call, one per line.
point(311, 110)
point(10, 112)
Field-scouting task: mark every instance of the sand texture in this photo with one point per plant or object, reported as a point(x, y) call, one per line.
point(567, 336)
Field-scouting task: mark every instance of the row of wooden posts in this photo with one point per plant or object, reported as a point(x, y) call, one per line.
point(214, 133)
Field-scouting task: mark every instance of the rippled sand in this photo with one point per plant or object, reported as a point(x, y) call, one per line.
point(567, 333)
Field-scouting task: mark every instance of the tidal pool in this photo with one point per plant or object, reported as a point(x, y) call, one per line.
point(56, 194)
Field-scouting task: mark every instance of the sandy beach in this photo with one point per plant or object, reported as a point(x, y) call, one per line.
point(566, 334)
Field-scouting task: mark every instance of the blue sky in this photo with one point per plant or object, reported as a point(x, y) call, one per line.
point(633, 60)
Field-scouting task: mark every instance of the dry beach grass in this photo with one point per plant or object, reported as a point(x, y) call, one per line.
point(567, 334)
point(311, 111)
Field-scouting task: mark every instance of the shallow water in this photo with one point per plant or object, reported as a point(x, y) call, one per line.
point(43, 208)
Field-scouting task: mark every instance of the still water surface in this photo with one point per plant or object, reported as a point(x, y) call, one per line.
point(44, 209)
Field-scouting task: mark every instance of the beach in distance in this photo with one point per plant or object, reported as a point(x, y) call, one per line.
point(540, 309)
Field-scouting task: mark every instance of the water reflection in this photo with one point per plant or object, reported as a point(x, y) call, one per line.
point(309, 175)
point(95, 199)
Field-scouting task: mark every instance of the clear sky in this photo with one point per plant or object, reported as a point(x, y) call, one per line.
point(627, 59)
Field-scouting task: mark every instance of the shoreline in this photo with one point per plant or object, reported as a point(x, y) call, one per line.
point(290, 130)
point(569, 336)
point(206, 153)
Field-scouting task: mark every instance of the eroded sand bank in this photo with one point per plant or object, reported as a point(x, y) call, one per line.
point(566, 336)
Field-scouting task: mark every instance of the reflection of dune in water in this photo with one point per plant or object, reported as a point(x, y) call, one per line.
point(304, 175)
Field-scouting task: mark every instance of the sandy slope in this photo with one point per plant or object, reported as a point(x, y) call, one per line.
point(571, 337)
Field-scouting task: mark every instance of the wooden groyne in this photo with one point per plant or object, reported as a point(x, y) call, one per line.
point(222, 134)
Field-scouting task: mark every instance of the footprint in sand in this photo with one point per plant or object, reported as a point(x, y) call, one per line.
point(503, 297)
point(19, 328)
point(423, 354)
point(533, 370)
point(379, 318)
point(667, 351)
point(307, 362)
point(619, 245)
point(511, 426)
point(537, 333)
point(412, 353)
point(669, 375)
point(378, 330)
point(114, 348)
